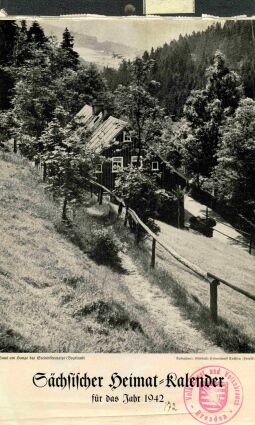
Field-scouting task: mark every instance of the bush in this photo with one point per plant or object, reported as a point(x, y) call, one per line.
point(167, 207)
point(105, 247)
point(202, 225)
point(153, 226)
point(211, 222)
point(27, 146)
point(138, 190)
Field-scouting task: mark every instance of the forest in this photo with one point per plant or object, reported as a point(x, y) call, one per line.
point(205, 83)
point(181, 64)
point(191, 100)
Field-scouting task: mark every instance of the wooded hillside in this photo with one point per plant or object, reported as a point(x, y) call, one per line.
point(180, 65)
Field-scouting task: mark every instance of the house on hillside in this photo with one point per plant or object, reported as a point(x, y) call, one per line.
point(110, 138)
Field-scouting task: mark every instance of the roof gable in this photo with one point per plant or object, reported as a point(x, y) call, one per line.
point(105, 133)
point(86, 117)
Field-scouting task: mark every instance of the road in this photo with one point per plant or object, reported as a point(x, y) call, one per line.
point(223, 231)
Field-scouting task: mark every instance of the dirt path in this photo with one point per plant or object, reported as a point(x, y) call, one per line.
point(167, 316)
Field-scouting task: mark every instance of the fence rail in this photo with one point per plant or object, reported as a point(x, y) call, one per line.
point(233, 239)
point(249, 236)
point(240, 223)
point(213, 280)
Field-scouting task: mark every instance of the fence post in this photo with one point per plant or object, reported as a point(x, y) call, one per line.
point(15, 146)
point(207, 215)
point(44, 172)
point(100, 196)
point(120, 209)
point(137, 232)
point(182, 212)
point(126, 217)
point(214, 300)
point(37, 162)
point(153, 253)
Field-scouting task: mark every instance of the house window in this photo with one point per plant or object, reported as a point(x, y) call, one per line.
point(99, 169)
point(117, 164)
point(155, 166)
point(126, 137)
point(134, 160)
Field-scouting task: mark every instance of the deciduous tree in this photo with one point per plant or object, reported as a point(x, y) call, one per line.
point(205, 111)
point(138, 190)
point(137, 102)
point(235, 173)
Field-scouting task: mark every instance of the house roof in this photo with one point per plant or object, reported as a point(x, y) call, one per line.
point(85, 114)
point(86, 117)
point(103, 132)
point(103, 136)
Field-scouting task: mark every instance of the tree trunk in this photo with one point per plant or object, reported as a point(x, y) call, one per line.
point(37, 163)
point(101, 197)
point(15, 146)
point(126, 216)
point(197, 181)
point(139, 147)
point(181, 212)
point(44, 171)
point(64, 215)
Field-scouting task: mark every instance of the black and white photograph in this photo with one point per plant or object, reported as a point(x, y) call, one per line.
point(127, 185)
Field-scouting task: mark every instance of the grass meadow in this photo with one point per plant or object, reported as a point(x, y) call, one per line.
point(54, 297)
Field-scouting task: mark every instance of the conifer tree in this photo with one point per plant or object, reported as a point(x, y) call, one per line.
point(70, 58)
point(8, 33)
point(36, 34)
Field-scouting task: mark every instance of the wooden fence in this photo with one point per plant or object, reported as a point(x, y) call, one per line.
point(252, 231)
point(240, 223)
point(213, 280)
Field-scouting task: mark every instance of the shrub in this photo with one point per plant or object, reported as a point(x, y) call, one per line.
point(202, 226)
point(211, 222)
point(153, 226)
point(138, 190)
point(27, 146)
point(105, 247)
point(167, 207)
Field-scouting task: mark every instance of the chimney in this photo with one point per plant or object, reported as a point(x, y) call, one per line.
point(97, 107)
point(107, 112)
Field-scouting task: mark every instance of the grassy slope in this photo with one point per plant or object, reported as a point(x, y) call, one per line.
point(226, 261)
point(53, 297)
point(235, 332)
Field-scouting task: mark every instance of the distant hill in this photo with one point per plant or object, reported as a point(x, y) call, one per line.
point(103, 53)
